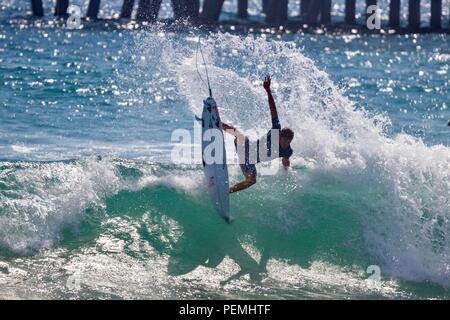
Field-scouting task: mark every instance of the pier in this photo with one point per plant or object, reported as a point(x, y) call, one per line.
point(312, 13)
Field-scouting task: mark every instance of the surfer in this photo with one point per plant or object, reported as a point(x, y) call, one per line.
point(263, 145)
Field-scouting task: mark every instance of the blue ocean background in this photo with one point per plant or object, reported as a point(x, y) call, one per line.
point(94, 203)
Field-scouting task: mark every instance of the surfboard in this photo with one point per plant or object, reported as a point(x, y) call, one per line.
point(215, 168)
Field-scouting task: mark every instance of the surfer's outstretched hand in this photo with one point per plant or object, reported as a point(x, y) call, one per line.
point(267, 82)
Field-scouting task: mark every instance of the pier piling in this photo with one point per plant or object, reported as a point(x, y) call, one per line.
point(304, 5)
point(394, 14)
point(326, 11)
point(313, 11)
point(127, 9)
point(243, 9)
point(436, 12)
point(318, 8)
point(211, 10)
point(148, 10)
point(37, 8)
point(186, 9)
point(277, 12)
point(414, 15)
point(93, 9)
point(193, 9)
point(350, 11)
point(61, 8)
point(265, 6)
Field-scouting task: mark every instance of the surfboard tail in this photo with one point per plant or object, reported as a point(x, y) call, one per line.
point(229, 219)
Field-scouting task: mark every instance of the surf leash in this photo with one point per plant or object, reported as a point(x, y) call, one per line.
point(199, 48)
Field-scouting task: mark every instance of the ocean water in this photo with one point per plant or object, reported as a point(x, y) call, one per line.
point(93, 203)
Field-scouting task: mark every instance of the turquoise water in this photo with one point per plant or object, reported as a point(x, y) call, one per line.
point(93, 204)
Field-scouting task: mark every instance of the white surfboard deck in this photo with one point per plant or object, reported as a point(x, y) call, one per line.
point(216, 174)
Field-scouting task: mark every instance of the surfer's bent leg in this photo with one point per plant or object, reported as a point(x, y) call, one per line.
point(248, 169)
point(250, 179)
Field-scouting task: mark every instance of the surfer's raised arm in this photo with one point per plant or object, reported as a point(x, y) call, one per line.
point(273, 107)
point(263, 145)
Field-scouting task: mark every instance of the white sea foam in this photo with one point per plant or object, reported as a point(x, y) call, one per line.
point(38, 200)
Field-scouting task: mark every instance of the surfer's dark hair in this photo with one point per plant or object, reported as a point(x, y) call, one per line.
point(287, 133)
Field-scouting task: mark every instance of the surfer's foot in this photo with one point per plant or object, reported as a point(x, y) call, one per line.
point(250, 179)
